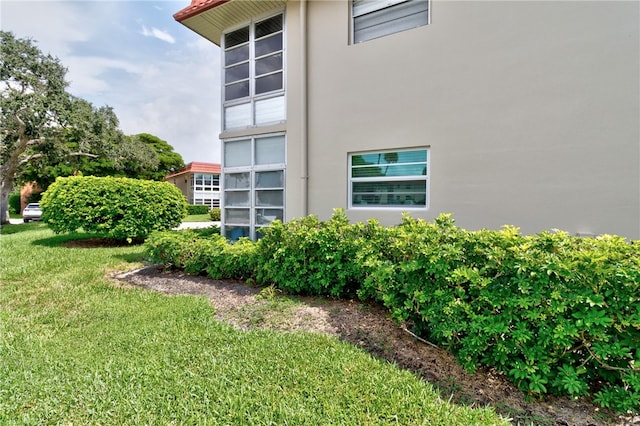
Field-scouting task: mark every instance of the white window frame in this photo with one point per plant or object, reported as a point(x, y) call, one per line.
point(417, 178)
point(251, 102)
point(252, 169)
point(362, 8)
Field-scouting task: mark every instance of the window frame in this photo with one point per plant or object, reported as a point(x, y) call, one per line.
point(384, 4)
point(252, 169)
point(384, 179)
point(253, 100)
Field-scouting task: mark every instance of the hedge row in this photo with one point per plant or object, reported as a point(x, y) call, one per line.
point(120, 208)
point(555, 313)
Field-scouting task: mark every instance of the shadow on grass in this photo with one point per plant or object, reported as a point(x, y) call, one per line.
point(84, 240)
point(21, 227)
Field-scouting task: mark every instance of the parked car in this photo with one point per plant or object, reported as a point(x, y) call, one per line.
point(31, 212)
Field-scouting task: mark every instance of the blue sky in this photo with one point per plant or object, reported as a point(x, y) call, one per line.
point(160, 77)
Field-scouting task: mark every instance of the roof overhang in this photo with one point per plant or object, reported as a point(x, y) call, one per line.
point(209, 18)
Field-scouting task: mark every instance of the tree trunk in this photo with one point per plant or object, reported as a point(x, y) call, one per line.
point(4, 204)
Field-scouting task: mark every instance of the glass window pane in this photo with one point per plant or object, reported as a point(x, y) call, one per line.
point(234, 233)
point(268, 45)
point(236, 199)
point(269, 26)
point(236, 180)
point(237, 116)
point(237, 153)
point(237, 54)
point(268, 64)
point(240, 216)
point(269, 83)
point(273, 179)
point(236, 37)
point(236, 90)
point(390, 193)
point(237, 72)
point(270, 110)
point(266, 216)
point(270, 150)
point(270, 198)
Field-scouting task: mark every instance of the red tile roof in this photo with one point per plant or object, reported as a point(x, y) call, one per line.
point(198, 167)
point(196, 7)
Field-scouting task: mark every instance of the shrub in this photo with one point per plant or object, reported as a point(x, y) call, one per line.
point(14, 203)
point(197, 254)
point(307, 256)
point(554, 313)
point(197, 209)
point(119, 208)
point(215, 214)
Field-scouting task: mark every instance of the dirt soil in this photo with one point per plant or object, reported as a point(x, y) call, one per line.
point(368, 326)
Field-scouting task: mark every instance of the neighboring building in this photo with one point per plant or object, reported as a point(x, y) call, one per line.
point(199, 182)
point(501, 112)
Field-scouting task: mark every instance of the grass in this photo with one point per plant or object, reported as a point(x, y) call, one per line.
point(197, 218)
point(77, 348)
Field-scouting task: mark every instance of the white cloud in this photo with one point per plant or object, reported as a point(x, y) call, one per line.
point(170, 90)
point(160, 35)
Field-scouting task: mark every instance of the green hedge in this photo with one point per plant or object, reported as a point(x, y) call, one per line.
point(555, 313)
point(197, 209)
point(119, 208)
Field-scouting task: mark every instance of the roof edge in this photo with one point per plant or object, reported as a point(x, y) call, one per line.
point(196, 9)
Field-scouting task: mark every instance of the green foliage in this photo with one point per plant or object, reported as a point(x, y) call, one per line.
point(119, 208)
point(214, 213)
point(197, 209)
point(308, 256)
point(199, 252)
point(555, 313)
point(168, 161)
point(14, 203)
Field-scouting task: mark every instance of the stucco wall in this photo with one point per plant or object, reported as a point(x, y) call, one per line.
point(530, 110)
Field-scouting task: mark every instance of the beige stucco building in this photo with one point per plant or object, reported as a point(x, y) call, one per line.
point(199, 182)
point(500, 112)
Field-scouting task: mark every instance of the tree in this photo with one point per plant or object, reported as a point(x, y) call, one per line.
point(46, 132)
point(33, 98)
point(169, 161)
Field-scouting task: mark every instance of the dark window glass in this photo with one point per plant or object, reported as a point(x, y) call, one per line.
point(236, 37)
point(235, 73)
point(269, 83)
point(236, 90)
point(238, 54)
point(269, 26)
point(269, 64)
point(269, 45)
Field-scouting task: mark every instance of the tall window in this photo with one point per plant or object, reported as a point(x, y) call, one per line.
point(389, 179)
point(378, 18)
point(254, 177)
point(254, 74)
point(205, 189)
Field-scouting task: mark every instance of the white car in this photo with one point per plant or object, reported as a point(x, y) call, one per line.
point(31, 212)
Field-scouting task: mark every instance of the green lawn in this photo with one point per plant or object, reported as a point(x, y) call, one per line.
point(197, 218)
point(76, 348)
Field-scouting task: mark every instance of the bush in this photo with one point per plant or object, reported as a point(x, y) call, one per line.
point(194, 253)
point(555, 313)
point(215, 214)
point(197, 209)
point(307, 256)
point(119, 208)
point(14, 203)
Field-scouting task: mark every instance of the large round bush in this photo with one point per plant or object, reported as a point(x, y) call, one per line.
point(119, 208)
